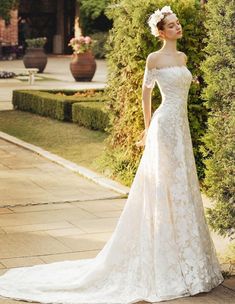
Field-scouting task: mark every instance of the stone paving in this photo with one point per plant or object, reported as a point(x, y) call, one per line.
point(33, 179)
point(49, 214)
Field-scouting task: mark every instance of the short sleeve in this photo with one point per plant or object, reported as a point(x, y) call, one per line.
point(149, 77)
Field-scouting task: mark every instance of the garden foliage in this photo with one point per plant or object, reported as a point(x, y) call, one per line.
point(99, 48)
point(92, 17)
point(87, 111)
point(219, 140)
point(5, 9)
point(91, 115)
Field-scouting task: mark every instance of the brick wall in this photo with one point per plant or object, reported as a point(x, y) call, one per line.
point(9, 34)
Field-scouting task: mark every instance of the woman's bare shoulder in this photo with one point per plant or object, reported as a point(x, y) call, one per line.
point(183, 55)
point(152, 60)
point(158, 58)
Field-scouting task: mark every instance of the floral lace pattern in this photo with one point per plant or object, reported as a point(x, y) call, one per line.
point(161, 248)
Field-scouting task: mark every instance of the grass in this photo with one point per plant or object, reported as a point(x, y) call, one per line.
point(68, 140)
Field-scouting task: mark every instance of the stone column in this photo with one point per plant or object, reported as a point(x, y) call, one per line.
point(58, 39)
point(77, 28)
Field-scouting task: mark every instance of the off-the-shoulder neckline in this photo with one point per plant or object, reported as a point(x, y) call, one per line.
point(169, 67)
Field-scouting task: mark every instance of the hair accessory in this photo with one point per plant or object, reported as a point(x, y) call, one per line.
point(156, 17)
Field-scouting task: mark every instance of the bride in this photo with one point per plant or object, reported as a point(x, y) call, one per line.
point(161, 248)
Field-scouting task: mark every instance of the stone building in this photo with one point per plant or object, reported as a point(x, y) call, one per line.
point(54, 19)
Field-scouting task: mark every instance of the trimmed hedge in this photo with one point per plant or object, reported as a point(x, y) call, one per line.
point(69, 93)
point(46, 103)
point(92, 115)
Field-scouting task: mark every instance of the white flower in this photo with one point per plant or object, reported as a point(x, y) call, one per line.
point(166, 9)
point(156, 17)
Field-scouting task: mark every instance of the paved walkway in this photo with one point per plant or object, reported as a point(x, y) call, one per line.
point(36, 180)
point(52, 214)
point(48, 213)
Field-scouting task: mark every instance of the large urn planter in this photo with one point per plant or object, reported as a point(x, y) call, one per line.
point(83, 66)
point(35, 58)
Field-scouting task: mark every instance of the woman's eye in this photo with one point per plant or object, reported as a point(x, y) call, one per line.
point(177, 22)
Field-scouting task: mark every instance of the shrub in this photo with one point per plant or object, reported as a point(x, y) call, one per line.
point(92, 94)
point(92, 115)
point(36, 42)
point(129, 44)
point(99, 49)
point(219, 140)
point(92, 17)
point(49, 103)
point(43, 103)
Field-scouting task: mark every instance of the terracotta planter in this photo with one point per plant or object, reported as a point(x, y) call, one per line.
point(83, 66)
point(35, 58)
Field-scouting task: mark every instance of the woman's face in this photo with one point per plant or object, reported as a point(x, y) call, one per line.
point(172, 28)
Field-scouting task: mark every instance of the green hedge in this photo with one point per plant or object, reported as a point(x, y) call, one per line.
point(219, 139)
point(99, 49)
point(69, 93)
point(43, 103)
point(46, 103)
point(92, 115)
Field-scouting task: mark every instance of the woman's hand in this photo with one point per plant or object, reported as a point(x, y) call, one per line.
point(141, 142)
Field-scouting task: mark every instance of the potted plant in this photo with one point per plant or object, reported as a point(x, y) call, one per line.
point(83, 64)
point(35, 56)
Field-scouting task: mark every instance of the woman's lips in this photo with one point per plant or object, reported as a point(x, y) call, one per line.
point(179, 32)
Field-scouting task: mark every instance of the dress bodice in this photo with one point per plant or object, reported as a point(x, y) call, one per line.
point(173, 82)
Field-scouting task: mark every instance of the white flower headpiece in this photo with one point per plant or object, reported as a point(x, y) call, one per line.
point(156, 17)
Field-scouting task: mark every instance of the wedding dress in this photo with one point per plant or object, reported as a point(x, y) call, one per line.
point(161, 248)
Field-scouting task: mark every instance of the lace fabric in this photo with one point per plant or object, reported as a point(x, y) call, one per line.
point(161, 248)
point(149, 77)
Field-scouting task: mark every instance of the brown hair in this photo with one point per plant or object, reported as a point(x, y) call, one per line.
point(161, 24)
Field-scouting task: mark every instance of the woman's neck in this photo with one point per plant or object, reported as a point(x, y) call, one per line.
point(169, 47)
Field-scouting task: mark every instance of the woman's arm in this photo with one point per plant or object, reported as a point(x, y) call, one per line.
point(146, 104)
point(147, 88)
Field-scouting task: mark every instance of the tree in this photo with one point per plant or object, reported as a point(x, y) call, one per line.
point(5, 9)
point(219, 148)
point(92, 16)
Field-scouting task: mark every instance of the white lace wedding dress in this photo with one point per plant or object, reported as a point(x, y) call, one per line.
point(161, 248)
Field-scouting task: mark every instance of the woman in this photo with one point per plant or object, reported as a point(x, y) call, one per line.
point(161, 248)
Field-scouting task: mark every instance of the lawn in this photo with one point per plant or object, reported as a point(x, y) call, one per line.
point(68, 140)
